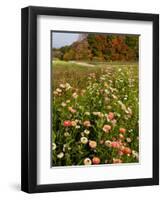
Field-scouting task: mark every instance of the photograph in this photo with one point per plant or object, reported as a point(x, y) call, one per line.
point(94, 98)
point(89, 99)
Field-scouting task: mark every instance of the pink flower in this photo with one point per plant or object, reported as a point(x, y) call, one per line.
point(114, 121)
point(96, 160)
point(120, 153)
point(101, 141)
point(110, 116)
point(116, 160)
point(115, 144)
point(71, 110)
point(73, 123)
point(122, 130)
point(92, 144)
point(87, 123)
point(67, 123)
point(126, 150)
point(121, 136)
point(106, 128)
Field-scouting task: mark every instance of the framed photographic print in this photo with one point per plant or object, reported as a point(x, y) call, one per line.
point(90, 99)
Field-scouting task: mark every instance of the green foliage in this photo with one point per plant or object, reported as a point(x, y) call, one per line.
point(133, 43)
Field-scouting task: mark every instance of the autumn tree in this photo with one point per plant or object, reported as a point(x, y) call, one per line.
point(82, 51)
point(101, 47)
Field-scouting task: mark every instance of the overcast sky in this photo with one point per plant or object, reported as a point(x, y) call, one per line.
point(60, 39)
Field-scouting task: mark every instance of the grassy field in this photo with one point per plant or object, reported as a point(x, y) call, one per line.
point(95, 113)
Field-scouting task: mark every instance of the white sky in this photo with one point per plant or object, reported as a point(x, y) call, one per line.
point(60, 39)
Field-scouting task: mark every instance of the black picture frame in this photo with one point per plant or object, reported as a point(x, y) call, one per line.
point(29, 98)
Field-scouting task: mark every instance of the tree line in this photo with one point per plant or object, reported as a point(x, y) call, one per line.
point(100, 47)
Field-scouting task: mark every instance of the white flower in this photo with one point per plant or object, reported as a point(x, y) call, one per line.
point(63, 104)
point(64, 147)
point(119, 102)
point(87, 161)
point(128, 140)
point(82, 134)
point(54, 146)
point(106, 91)
point(68, 86)
point(74, 95)
point(96, 113)
point(66, 134)
point(87, 113)
point(102, 78)
point(84, 140)
point(128, 111)
point(99, 114)
point(114, 96)
point(123, 107)
point(135, 154)
point(118, 114)
point(77, 127)
point(62, 86)
point(108, 143)
point(86, 132)
point(58, 90)
point(55, 92)
point(60, 155)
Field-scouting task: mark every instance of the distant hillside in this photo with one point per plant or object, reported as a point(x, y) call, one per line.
point(100, 47)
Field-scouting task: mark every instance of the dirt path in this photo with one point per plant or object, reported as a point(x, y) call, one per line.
point(82, 63)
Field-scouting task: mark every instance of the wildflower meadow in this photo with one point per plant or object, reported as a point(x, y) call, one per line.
point(95, 112)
